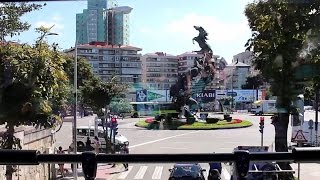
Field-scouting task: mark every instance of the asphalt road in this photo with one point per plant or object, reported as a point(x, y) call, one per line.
point(187, 141)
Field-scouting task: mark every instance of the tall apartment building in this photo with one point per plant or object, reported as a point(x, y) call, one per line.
point(107, 60)
point(103, 21)
point(186, 61)
point(117, 23)
point(159, 70)
point(236, 75)
point(90, 24)
point(246, 57)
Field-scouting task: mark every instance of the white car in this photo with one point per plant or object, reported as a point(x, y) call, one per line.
point(85, 131)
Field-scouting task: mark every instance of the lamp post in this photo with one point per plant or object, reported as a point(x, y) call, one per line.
point(74, 128)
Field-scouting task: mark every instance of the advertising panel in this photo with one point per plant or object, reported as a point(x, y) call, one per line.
point(240, 95)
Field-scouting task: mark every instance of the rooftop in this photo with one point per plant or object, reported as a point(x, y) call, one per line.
point(104, 45)
point(160, 54)
point(238, 64)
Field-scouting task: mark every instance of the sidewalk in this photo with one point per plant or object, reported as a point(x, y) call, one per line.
point(104, 172)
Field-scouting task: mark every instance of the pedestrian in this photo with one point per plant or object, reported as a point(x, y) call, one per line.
point(88, 144)
point(70, 151)
point(61, 166)
point(97, 144)
point(125, 150)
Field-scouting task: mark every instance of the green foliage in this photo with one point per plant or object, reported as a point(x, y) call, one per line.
point(279, 34)
point(10, 18)
point(121, 105)
point(98, 94)
point(33, 84)
point(253, 82)
point(85, 72)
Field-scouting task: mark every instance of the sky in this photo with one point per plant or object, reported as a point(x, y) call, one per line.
point(156, 26)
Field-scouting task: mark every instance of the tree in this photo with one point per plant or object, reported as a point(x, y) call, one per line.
point(85, 72)
point(253, 82)
point(121, 105)
point(98, 94)
point(33, 85)
point(10, 14)
point(279, 34)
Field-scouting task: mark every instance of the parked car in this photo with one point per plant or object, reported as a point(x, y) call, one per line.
point(186, 172)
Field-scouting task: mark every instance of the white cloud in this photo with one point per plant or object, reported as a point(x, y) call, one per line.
point(219, 31)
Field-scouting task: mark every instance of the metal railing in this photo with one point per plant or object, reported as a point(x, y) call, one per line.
point(90, 160)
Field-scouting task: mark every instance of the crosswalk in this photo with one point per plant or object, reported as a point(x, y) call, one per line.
point(158, 172)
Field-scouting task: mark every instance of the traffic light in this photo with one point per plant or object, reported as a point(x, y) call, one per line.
point(261, 124)
point(115, 130)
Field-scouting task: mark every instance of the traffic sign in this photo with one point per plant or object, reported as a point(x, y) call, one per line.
point(299, 137)
point(310, 124)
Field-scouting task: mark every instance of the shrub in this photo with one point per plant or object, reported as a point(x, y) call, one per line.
point(191, 120)
point(212, 120)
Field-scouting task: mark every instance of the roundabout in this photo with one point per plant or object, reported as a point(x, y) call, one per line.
point(150, 123)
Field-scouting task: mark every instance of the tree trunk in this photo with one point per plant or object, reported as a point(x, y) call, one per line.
point(281, 122)
point(9, 145)
point(281, 131)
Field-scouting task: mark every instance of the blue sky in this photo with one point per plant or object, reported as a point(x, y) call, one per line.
point(157, 25)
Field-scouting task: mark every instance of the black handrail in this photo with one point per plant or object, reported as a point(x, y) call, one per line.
point(89, 160)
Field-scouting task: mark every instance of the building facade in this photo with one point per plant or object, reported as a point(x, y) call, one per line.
point(159, 70)
point(90, 24)
point(117, 25)
point(103, 21)
point(236, 75)
point(186, 61)
point(246, 57)
point(107, 61)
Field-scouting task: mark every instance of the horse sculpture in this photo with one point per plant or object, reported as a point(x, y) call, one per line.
point(181, 92)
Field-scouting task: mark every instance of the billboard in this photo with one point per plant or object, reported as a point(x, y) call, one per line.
point(153, 95)
point(241, 95)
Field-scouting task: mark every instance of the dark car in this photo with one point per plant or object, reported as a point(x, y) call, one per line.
point(186, 172)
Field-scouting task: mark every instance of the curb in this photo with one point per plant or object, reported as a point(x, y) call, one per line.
point(214, 128)
point(181, 128)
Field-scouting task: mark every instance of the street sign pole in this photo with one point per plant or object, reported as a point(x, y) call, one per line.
point(310, 123)
point(316, 111)
point(262, 139)
point(261, 129)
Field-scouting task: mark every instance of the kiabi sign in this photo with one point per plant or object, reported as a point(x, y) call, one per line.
point(205, 95)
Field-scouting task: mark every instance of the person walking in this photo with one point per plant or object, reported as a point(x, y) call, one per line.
point(125, 150)
point(61, 166)
point(97, 144)
point(88, 144)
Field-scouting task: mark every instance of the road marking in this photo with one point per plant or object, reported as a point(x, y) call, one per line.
point(172, 148)
point(225, 173)
point(125, 174)
point(162, 139)
point(141, 172)
point(157, 172)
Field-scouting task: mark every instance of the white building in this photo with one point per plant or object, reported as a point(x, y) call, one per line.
point(186, 61)
point(159, 70)
point(236, 75)
point(246, 57)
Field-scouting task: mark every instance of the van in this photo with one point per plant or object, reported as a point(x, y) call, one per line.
point(264, 107)
point(85, 131)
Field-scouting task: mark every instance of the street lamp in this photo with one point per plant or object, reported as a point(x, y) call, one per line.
point(74, 128)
